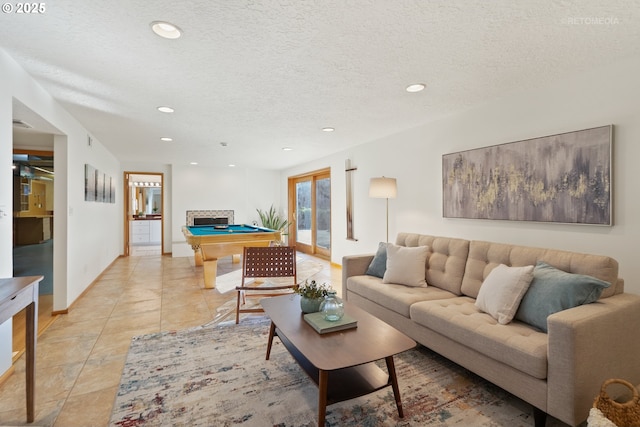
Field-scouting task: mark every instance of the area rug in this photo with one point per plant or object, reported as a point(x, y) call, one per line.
point(228, 282)
point(218, 376)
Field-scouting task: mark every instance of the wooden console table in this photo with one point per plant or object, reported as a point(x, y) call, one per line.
point(16, 294)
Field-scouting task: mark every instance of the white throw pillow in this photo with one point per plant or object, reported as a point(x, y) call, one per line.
point(406, 266)
point(502, 291)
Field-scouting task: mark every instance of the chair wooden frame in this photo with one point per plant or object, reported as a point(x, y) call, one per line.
point(264, 262)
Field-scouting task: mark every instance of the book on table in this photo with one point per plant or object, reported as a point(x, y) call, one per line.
point(322, 326)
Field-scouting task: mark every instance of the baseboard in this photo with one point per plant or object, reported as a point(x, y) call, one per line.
point(7, 374)
point(16, 355)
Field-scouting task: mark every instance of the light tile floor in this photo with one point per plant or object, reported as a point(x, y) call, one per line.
point(81, 355)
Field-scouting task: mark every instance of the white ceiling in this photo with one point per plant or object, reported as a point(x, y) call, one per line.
point(263, 75)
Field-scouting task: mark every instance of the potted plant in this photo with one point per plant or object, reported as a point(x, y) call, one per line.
point(273, 220)
point(311, 295)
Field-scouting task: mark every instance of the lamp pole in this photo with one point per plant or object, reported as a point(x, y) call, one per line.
point(383, 188)
point(387, 219)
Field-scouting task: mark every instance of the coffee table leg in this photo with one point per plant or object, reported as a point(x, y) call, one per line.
point(323, 380)
point(394, 384)
point(272, 332)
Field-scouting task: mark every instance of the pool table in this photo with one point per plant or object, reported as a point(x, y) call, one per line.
point(210, 242)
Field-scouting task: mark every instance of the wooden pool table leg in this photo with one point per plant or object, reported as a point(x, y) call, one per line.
point(210, 272)
point(197, 255)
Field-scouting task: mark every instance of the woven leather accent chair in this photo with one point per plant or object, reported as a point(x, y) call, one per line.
point(264, 262)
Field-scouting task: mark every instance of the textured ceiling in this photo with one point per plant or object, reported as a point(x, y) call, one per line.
point(263, 75)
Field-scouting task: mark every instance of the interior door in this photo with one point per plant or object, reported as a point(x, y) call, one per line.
point(310, 197)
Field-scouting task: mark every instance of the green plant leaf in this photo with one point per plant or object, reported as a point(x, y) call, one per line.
point(272, 219)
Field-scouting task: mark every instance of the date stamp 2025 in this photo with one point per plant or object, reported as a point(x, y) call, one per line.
point(24, 8)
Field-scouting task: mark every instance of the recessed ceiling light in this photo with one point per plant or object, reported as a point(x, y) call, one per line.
point(287, 149)
point(193, 163)
point(165, 109)
point(166, 29)
point(328, 129)
point(417, 87)
point(231, 165)
point(166, 139)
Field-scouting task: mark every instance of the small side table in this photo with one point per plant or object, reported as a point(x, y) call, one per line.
point(15, 294)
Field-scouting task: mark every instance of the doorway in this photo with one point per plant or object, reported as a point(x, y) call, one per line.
point(143, 212)
point(310, 215)
point(33, 182)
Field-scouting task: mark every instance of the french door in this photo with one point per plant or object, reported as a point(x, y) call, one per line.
point(310, 216)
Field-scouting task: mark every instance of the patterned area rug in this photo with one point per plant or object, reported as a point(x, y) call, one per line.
point(217, 376)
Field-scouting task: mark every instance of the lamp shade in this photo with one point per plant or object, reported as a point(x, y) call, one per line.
point(383, 188)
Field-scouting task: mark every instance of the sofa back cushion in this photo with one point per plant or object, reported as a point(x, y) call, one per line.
point(485, 256)
point(446, 259)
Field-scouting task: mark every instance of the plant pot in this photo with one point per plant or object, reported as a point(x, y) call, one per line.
point(310, 305)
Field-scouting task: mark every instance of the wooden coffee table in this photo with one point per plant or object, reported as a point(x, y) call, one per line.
point(340, 363)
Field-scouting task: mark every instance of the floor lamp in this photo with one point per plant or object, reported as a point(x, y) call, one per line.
point(383, 188)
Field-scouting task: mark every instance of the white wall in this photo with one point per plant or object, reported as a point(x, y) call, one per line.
point(6, 205)
point(84, 241)
point(92, 243)
point(238, 189)
point(608, 95)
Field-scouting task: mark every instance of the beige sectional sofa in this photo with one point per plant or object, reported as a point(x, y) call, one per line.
point(558, 372)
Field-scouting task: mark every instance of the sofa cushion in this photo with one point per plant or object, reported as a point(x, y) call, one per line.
point(502, 291)
point(379, 262)
point(397, 298)
point(446, 260)
point(485, 256)
point(517, 344)
point(554, 290)
point(406, 266)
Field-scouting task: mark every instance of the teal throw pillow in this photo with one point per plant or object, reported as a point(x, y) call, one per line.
point(379, 263)
point(554, 290)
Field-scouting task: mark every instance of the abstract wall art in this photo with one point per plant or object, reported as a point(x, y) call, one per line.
point(89, 183)
point(98, 186)
point(564, 178)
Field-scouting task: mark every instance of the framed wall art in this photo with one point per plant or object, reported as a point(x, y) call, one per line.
point(564, 178)
point(98, 186)
point(89, 183)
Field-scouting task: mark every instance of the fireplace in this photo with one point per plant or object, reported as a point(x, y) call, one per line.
point(211, 221)
point(209, 217)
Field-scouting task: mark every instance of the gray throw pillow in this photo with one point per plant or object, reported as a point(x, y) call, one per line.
point(379, 263)
point(554, 290)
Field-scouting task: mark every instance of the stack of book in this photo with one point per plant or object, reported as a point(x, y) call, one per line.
point(322, 326)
